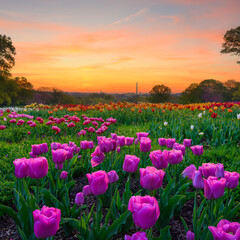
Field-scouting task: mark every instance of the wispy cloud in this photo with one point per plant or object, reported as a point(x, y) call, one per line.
point(131, 17)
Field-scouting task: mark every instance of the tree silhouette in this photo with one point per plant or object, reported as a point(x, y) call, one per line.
point(160, 93)
point(232, 42)
point(7, 52)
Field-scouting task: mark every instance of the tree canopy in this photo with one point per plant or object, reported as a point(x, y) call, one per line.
point(160, 93)
point(7, 52)
point(231, 43)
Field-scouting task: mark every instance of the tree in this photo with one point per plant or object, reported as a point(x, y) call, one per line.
point(160, 93)
point(213, 91)
point(191, 94)
point(232, 42)
point(7, 52)
point(232, 86)
point(23, 83)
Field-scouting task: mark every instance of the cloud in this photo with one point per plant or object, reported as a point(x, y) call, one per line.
point(130, 17)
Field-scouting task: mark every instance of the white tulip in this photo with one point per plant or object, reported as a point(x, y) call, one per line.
point(192, 127)
point(165, 123)
point(238, 116)
point(200, 115)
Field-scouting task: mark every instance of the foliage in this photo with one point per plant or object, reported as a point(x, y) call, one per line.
point(160, 93)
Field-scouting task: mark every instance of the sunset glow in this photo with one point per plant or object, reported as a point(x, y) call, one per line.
point(109, 45)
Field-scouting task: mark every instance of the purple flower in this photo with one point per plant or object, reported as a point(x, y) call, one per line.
point(197, 150)
point(131, 163)
point(59, 156)
point(198, 180)
point(219, 171)
point(79, 199)
point(114, 136)
point(63, 175)
point(112, 176)
point(136, 236)
point(178, 146)
point(86, 190)
point(226, 230)
point(151, 178)
point(190, 235)
point(232, 179)
point(162, 141)
point(175, 156)
point(187, 142)
point(214, 188)
point(121, 141)
point(189, 171)
point(208, 169)
point(141, 134)
point(170, 142)
point(98, 182)
point(38, 167)
point(159, 158)
point(97, 157)
point(21, 168)
point(46, 221)
point(145, 211)
point(129, 141)
point(145, 144)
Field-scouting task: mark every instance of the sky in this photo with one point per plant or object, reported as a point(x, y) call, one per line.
point(109, 45)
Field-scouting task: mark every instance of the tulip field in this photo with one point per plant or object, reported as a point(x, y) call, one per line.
point(120, 171)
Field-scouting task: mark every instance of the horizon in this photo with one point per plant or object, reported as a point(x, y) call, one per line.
point(109, 45)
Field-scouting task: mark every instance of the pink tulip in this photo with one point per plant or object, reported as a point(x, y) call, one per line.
point(189, 171)
point(46, 221)
point(145, 144)
point(151, 178)
point(129, 141)
point(208, 169)
point(159, 158)
point(197, 150)
point(38, 167)
point(21, 168)
point(136, 236)
point(79, 199)
point(232, 179)
point(226, 230)
point(170, 142)
point(131, 163)
point(86, 190)
point(145, 211)
point(121, 141)
point(190, 235)
point(112, 176)
point(97, 157)
point(59, 156)
point(187, 142)
point(98, 182)
point(63, 175)
point(141, 135)
point(198, 180)
point(175, 156)
point(214, 188)
point(162, 141)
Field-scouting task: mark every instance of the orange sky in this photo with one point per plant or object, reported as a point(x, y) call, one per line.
point(110, 47)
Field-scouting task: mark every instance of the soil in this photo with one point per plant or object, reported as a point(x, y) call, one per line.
point(8, 229)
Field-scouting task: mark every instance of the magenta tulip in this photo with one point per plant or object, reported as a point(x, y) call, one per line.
point(97, 157)
point(151, 178)
point(129, 141)
point(36, 149)
point(214, 188)
point(121, 141)
point(131, 163)
point(198, 180)
point(189, 171)
point(64, 175)
point(170, 142)
point(219, 170)
point(98, 182)
point(180, 147)
point(38, 167)
point(175, 156)
point(86, 190)
point(21, 168)
point(145, 211)
point(232, 179)
point(59, 156)
point(197, 150)
point(190, 235)
point(46, 221)
point(136, 236)
point(141, 135)
point(226, 230)
point(145, 144)
point(112, 176)
point(162, 141)
point(187, 142)
point(159, 158)
point(79, 199)
point(208, 169)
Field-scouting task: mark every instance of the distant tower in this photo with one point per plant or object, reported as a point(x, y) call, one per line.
point(136, 88)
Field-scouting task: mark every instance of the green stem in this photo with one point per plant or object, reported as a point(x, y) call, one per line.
point(37, 192)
